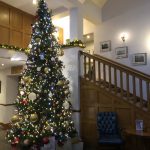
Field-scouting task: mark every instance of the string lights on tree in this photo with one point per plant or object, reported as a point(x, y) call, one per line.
point(43, 108)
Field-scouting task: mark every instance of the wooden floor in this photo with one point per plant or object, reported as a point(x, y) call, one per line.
point(3, 143)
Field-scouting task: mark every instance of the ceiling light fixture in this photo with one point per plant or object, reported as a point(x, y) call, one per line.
point(2, 64)
point(34, 2)
point(15, 59)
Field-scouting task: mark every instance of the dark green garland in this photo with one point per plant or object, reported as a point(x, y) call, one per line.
point(12, 47)
point(74, 43)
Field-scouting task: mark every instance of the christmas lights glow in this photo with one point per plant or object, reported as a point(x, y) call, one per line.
point(43, 107)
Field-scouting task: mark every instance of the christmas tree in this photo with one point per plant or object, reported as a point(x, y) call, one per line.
point(43, 106)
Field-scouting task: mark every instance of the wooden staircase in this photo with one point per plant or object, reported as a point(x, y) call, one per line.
point(125, 82)
point(106, 85)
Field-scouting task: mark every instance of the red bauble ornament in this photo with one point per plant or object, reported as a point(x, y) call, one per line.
point(16, 140)
point(46, 140)
point(25, 102)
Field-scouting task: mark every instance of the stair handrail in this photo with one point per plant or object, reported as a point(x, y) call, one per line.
point(116, 64)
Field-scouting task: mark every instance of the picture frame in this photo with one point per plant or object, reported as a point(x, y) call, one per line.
point(105, 46)
point(139, 59)
point(139, 125)
point(121, 52)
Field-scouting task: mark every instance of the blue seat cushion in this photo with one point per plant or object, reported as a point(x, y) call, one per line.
point(110, 139)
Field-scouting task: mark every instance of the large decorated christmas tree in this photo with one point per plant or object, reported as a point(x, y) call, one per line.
point(42, 105)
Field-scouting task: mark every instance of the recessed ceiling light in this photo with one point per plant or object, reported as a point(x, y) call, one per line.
point(2, 64)
point(34, 2)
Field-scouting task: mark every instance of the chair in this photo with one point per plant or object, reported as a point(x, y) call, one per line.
point(109, 133)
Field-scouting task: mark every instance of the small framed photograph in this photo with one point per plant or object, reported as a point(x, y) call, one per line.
point(121, 52)
point(105, 46)
point(139, 125)
point(139, 59)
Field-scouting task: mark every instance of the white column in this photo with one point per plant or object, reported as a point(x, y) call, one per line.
point(71, 72)
point(76, 24)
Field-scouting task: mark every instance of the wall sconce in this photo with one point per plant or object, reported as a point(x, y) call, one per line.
point(124, 36)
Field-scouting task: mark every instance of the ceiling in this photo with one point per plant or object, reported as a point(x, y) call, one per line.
point(58, 6)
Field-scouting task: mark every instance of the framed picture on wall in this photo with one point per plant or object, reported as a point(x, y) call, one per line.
point(105, 46)
point(139, 125)
point(139, 59)
point(121, 52)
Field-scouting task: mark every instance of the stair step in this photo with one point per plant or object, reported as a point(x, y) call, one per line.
point(121, 93)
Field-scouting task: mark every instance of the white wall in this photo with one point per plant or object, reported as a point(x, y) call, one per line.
point(3, 79)
point(64, 23)
point(9, 89)
point(135, 21)
point(88, 27)
point(89, 47)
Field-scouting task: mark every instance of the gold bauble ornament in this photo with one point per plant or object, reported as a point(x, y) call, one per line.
point(27, 79)
point(48, 127)
point(34, 117)
point(46, 70)
point(38, 40)
point(66, 105)
point(60, 82)
point(15, 119)
point(50, 49)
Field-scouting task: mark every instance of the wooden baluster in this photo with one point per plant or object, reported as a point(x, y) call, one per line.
point(141, 92)
point(127, 84)
point(99, 72)
point(148, 96)
point(134, 89)
point(115, 80)
point(109, 78)
point(121, 83)
point(104, 75)
point(90, 69)
point(85, 71)
point(94, 71)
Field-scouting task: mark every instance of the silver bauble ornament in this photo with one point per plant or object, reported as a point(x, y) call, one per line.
point(32, 96)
